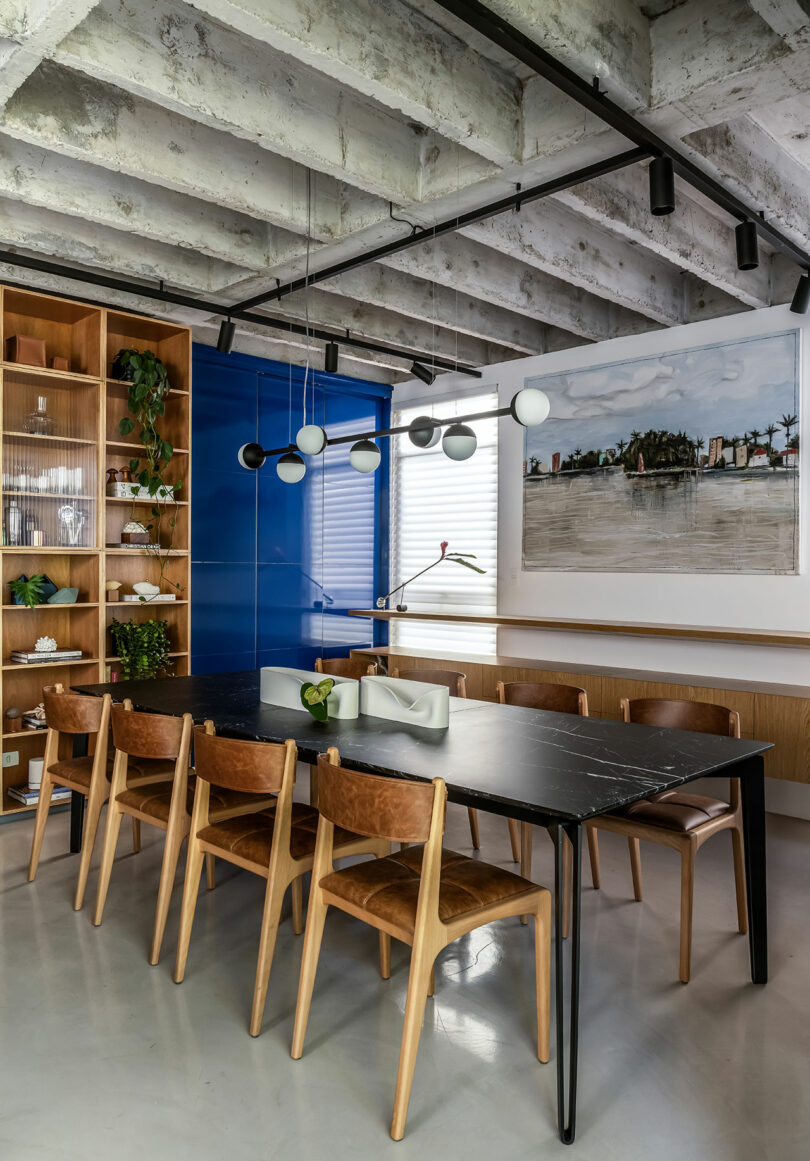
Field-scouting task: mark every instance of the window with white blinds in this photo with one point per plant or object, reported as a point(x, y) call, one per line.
point(434, 498)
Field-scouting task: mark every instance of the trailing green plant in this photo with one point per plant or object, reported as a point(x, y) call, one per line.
point(142, 646)
point(28, 590)
point(314, 698)
point(148, 386)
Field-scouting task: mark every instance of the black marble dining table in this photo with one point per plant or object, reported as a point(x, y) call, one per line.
point(554, 770)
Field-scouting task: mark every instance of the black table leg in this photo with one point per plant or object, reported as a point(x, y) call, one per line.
point(752, 796)
point(567, 1114)
point(77, 800)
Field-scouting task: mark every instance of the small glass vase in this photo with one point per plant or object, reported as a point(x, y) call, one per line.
point(39, 422)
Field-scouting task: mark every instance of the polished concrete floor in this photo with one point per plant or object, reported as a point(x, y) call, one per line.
point(104, 1057)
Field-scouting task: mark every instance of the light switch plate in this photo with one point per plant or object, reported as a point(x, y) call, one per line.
point(11, 757)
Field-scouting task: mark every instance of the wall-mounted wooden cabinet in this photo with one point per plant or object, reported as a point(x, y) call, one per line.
point(59, 438)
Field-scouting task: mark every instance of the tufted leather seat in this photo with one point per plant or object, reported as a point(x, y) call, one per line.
point(674, 809)
point(78, 770)
point(389, 888)
point(155, 799)
point(250, 836)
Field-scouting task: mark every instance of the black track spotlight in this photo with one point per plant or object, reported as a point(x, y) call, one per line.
point(662, 186)
point(330, 358)
point(227, 330)
point(747, 246)
point(801, 299)
point(423, 373)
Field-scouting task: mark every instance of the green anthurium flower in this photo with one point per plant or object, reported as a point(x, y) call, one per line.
point(313, 697)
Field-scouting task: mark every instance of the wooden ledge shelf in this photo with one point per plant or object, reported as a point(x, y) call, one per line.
point(48, 372)
point(151, 501)
point(17, 665)
point(790, 637)
point(50, 440)
point(43, 608)
point(146, 552)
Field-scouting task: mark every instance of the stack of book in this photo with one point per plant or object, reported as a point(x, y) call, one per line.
point(21, 657)
point(29, 795)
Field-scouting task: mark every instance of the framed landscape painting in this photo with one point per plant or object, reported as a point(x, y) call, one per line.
point(682, 462)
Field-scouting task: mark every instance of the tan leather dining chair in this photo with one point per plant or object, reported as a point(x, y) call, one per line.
point(424, 896)
point(165, 742)
point(561, 699)
point(678, 818)
point(277, 843)
point(355, 667)
point(456, 682)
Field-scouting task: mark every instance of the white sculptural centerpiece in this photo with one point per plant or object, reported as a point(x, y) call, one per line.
point(145, 589)
point(45, 645)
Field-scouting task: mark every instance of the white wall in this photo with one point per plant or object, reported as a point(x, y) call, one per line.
point(761, 602)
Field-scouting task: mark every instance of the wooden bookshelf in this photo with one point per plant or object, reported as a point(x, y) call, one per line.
point(68, 466)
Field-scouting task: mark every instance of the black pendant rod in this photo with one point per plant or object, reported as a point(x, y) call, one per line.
point(450, 225)
point(517, 44)
point(111, 282)
point(386, 431)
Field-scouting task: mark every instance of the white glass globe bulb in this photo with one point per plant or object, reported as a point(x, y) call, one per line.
point(459, 442)
point(291, 468)
point(530, 407)
point(365, 456)
point(311, 439)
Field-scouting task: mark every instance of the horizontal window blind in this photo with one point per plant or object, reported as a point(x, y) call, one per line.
point(434, 498)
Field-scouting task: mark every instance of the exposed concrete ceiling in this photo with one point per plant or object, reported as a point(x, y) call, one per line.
point(164, 140)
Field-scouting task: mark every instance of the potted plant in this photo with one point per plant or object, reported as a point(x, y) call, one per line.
point(28, 591)
point(148, 386)
point(142, 647)
point(313, 697)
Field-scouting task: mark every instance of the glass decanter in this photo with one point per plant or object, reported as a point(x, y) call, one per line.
point(39, 422)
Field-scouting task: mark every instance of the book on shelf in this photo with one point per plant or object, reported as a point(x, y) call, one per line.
point(159, 598)
point(25, 658)
point(29, 795)
point(136, 547)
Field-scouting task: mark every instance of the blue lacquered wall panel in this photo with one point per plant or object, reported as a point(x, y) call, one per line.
point(276, 567)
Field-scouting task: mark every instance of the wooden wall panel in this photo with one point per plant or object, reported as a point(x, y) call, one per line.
point(786, 722)
point(615, 688)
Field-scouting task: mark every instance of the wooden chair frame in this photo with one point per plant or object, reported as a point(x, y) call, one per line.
point(526, 829)
point(334, 670)
point(96, 794)
point(283, 871)
point(687, 843)
point(427, 939)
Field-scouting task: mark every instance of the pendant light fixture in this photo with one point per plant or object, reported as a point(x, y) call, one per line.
point(459, 442)
point(365, 456)
point(291, 468)
point(424, 432)
point(747, 246)
point(330, 358)
point(311, 439)
point(530, 407)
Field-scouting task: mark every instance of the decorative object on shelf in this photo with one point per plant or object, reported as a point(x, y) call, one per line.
point(126, 475)
point(64, 597)
point(71, 523)
point(60, 363)
point(126, 490)
point(399, 700)
point(463, 558)
point(24, 349)
point(13, 720)
point(112, 588)
point(38, 422)
point(282, 686)
point(158, 599)
point(12, 524)
point(29, 796)
point(528, 407)
point(45, 645)
point(29, 591)
point(112, 476)
point(314, 697)
point(40, 657)
point(34, 719)
point(142, 647)
point(148, 388)
point(150, 546)
point(145, 590)
point(134, 532)
point(35, 773)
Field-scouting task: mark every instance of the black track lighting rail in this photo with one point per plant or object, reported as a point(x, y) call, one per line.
point(382, 432)
point(591, 97)
point(160, 294)
point(451, 225)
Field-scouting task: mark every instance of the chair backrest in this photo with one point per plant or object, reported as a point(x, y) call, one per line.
point(703, 717)
point(74, 713)
point(142, 735)
point(366, 804)
point(456, 682)
point(543, 695)
point(250, 767)
point(355, 667)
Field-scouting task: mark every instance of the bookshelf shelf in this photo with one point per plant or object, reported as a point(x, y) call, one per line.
point(86, 405)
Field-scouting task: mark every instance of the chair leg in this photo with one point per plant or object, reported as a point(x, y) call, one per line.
point(114, 817)
point(635, 866)
point(274, 896)
point(568, 875)
point(136, 835)
point(91, 816)
point(385, 955)
point(298, 904)
point(210, 871)
point(432, 983)
point(43, 806)
point(316, 917)
point(593, 855)
point(739, 879)
point(418, 985)
point(525, 857)
point(191, 888)
point(168, 869)
point(542, 968)
point(688, 852)
point(472, 815)
point(514, 839)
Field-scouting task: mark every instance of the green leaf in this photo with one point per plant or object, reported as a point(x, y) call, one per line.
point(466, 563)
point(126, 425)
point(134, 465)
